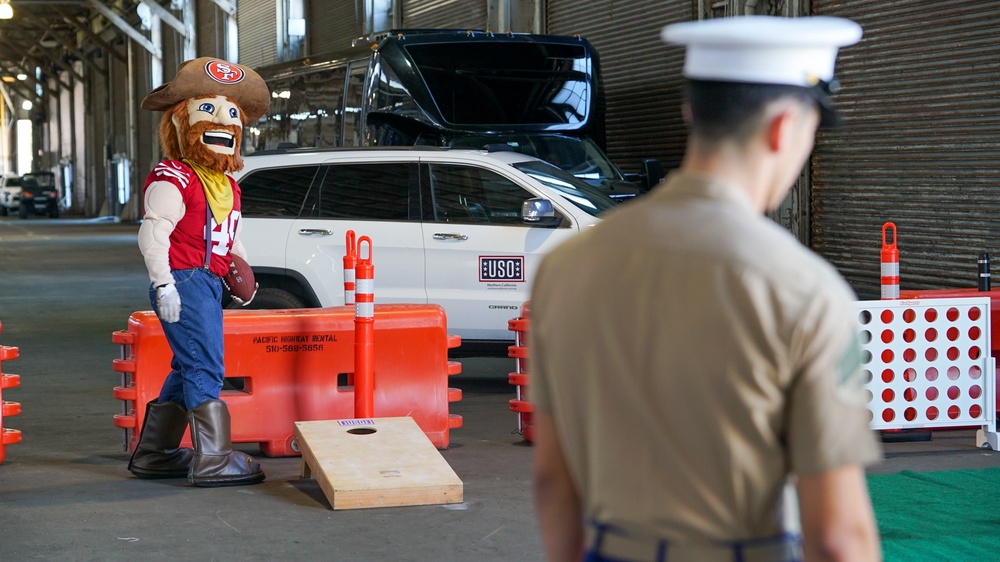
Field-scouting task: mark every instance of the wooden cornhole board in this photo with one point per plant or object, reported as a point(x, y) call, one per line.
point(375, 462)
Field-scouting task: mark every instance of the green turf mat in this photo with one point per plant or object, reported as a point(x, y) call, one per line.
point(949, 515)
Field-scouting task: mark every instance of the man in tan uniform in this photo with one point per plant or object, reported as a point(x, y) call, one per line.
point(693, 365)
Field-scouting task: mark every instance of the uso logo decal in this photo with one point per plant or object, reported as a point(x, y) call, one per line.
point(501, 268)
point(224, 72)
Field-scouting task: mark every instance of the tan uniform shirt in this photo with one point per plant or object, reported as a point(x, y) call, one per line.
point(693, 354)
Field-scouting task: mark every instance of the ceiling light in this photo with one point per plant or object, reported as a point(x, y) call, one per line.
point(22, 76)
point(26, 105)
point(6, 12)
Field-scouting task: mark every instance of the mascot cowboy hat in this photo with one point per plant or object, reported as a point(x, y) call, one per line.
point(212, 76)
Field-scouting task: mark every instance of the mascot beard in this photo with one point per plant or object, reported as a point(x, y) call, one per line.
point(179, 139)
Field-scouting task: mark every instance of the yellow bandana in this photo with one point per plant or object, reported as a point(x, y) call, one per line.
point(218, 192)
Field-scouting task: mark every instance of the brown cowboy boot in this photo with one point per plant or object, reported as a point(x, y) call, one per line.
point(158, 454)
point(215, 462)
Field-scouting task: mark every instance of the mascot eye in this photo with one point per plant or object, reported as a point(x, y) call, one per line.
point(206, 107)
point(233, 112)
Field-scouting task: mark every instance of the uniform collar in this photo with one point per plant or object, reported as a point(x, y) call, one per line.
point(704, 186)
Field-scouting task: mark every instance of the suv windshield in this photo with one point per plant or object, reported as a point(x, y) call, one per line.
point(43, 180)
point(579, 157)
point(588, 198)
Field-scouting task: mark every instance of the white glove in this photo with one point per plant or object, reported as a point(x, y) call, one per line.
point(168, 303)
point(250, 300)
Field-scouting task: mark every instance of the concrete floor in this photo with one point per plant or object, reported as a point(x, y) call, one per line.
point(65, 493)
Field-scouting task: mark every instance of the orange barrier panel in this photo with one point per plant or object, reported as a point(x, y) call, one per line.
point(8, 436)
point(284, 366)
point(519, 351)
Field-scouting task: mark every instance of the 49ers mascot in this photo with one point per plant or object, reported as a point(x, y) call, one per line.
point(192, 223)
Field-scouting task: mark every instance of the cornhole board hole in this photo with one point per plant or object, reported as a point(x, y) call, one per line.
point(375, 462)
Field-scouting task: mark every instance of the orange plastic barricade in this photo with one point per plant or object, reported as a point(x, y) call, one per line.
point(285, 366)
point(8, 436)
point(519, 378)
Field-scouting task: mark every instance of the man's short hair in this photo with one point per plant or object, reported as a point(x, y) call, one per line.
point(733, 110)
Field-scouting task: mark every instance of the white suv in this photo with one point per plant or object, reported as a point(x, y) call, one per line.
point(461, 228)
point(10, 194)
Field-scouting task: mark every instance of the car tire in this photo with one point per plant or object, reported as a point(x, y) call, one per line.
point(22, 211)
point(3, 210)
point(270, 299)
point(54, 211)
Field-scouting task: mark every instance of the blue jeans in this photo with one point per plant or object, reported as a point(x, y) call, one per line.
point(197, 368)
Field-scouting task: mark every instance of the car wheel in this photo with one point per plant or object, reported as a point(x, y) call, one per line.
point(270, 299)
point(22, 211)
point(3, 210)
point(54, 211)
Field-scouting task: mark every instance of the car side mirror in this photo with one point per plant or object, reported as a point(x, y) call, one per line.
point(652, 172)
point(539, 212)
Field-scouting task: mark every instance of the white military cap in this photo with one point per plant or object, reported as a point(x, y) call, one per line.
point(766, 50)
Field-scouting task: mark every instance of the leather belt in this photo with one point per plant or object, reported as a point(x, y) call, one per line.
point(613, 543)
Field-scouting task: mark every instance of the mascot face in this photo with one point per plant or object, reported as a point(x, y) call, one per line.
point(206, 129)
point(214, 123)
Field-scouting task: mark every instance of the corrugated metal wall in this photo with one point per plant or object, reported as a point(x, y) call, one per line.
point(920, 93)
point(444, 14)
point(642, 76)
point(332, 25)
point(211, 30)
point(258, 32)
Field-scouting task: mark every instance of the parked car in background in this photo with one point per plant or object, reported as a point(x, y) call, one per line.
point(39, 195)
point(10, 193)
point(465, 229)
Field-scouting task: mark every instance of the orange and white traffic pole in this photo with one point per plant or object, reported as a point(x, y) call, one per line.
point(364, 332)
point(350, 262)
point(890, 264)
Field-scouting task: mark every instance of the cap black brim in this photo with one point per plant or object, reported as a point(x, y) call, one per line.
point(829, 117)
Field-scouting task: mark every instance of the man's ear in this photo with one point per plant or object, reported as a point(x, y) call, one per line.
point(686, 113)
point(779, 129)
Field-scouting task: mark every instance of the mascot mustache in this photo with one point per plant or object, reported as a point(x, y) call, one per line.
point(200, 135)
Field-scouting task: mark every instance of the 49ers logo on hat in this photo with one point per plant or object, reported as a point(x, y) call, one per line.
point(224, 72)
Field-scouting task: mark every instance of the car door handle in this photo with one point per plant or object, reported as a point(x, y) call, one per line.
point(314, 231)
point(450, 236)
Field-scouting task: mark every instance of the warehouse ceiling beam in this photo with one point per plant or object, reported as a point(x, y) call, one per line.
point(20, 88)
point(46, 45)
point(226, 6)
point(42, 64)
point(32, 32)
point(127, 29)
point(93, 36)
point(30, 73)
point(70, 47)
point(166, 17)
point(53, 57)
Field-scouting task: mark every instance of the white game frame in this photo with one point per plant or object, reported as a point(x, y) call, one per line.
point(927, 364)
